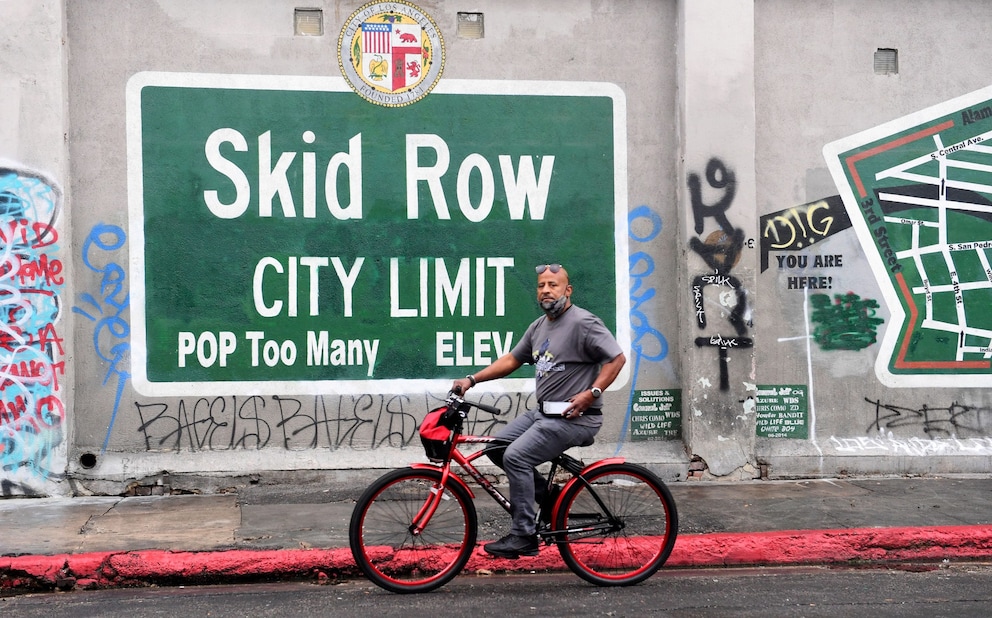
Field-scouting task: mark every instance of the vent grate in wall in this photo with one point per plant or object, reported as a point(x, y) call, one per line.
point(308, 22)
point(471, 26)
point(886, 61)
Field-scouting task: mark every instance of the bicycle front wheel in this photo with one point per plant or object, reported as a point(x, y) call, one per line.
point(621, 525)
point(388, 548)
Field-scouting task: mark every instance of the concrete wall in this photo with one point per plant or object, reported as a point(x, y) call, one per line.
point(728, 107)
point(718, 203)
point(36, 417)
point(137, 437)
point(815, 83)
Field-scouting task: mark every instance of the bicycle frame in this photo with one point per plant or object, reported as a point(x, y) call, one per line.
point(466, 463)
point(616, 522)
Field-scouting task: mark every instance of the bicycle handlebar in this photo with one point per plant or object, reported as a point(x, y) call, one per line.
point(485, 408)
point(455, 401)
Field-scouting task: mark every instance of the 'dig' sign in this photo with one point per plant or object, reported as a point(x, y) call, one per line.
point(289, 237)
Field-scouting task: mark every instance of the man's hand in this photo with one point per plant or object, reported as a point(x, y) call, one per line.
point(607, 374)
point(461, 386)
point(580, 403)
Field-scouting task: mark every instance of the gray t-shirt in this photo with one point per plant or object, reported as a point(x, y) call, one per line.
point(567, 353)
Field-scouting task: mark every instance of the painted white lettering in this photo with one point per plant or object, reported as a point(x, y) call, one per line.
point(242, 188)
point(451, 351)
point(452, 296)
point(352, 161)
point(347, 282)
point(432, 175)
point(523, 187)
point(273, 180)
point(266, 311)
point(476, 162)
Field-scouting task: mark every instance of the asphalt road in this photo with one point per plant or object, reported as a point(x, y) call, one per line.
point(958, 590)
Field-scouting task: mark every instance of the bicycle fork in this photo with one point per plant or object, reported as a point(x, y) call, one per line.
point(427, 510)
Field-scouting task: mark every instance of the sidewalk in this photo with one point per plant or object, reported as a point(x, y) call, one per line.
point(279, 532)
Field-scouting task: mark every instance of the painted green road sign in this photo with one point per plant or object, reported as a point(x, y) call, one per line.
point(919, 193)
point(289, 237)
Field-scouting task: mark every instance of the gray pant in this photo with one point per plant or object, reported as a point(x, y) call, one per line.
point(536, 439)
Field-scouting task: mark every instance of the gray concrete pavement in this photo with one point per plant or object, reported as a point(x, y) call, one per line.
point(299, 523)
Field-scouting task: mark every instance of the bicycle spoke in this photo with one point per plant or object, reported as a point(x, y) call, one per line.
point(385, 546)
point(636, 531)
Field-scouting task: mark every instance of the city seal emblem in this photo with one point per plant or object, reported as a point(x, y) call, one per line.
point(391, 53)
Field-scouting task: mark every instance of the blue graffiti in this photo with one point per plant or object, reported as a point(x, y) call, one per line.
point(111, 331)
point(647, 342)
point(645, 336)
point(31, 277)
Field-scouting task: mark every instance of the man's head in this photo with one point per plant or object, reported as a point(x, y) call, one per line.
point(553, 289)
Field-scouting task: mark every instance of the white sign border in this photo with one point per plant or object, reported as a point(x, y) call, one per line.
point(136, 237)
point(887, 348)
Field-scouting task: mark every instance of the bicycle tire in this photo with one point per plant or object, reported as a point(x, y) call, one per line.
point(395, 558)
point(649, 525)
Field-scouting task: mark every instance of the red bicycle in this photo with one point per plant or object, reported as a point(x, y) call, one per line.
point(415, 528)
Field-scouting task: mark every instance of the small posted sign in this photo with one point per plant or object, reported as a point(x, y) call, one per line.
point(782, 411)
point(656, 415)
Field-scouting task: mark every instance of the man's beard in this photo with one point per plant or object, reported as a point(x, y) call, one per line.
point(553, 309)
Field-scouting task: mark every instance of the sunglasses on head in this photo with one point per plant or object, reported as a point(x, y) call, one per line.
point(554, 268)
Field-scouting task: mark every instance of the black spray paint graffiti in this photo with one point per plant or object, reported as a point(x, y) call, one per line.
point(721, 251)
point(362, 422)
point(955, 420)
point(726, 285)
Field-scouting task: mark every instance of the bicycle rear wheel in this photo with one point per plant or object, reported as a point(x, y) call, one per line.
point(627, 541)
point(386, 548)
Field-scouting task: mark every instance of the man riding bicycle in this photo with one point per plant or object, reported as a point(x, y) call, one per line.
point(575, 358)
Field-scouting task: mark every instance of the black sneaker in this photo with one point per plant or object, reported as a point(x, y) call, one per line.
point(513, 546)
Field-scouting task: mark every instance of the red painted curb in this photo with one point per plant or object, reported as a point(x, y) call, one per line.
point(138, 568)
point(834, 546)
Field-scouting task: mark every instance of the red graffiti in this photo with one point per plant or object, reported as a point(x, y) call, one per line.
point(34, 371)
point(13, 338)
point(47, 336)
point(12, 411)
point(31, 271)
point(25, 233)
point(49, 413)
